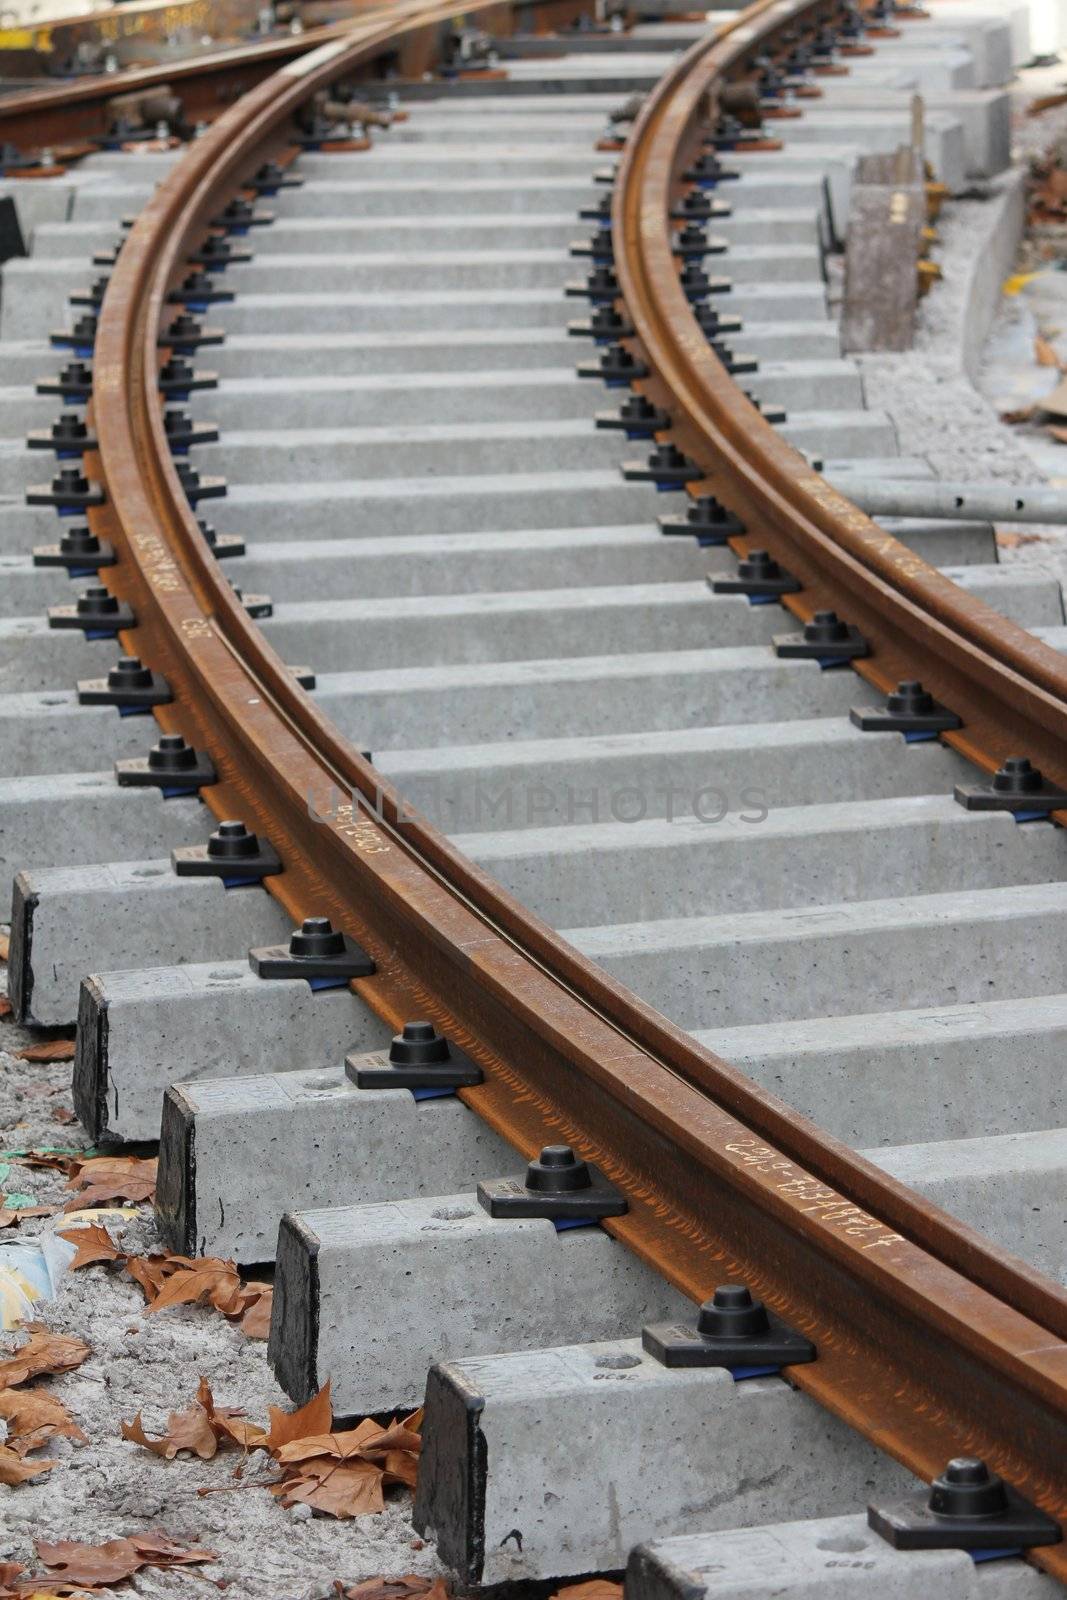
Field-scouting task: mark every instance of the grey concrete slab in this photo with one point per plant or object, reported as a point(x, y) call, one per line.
point(710, 861)
point(893, 1077)
point(313, 1140)
point(983, 114)
point(69, 921)
point(1011, 1187)
point(847, 433)
point(34, 656)
point(839, 1557)
point(350, 1294)
point(833, 960)
point(77, 818)
point(944, 143)
point(435, 706)
point(522, 783)
point(523, 625)
point(140, 1029)
point(48, 731)
point(588, 1419)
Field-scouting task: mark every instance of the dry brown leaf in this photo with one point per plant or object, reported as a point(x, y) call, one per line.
point(341, 1489)
point(37, 1414)
point(43, 1352)
point(10, 1216)
point(64, 1115)
point(1022, 414)
point(59, 1160)
point(208, 1279)
point(6, 1008)
point(149, 1272)
point(1056, 402)
point(50, 1050)
point(591, 1589)
point(315, 1417)
point(1044, 354)
point(94, 1243)
point(103, 1178)
point(255, 1321)
point(186, 1430)
point(5, 946)
point(1011, 541)
point(409, 1587)
point(229, 1422)
point(13, 1470)
point(118, 1558)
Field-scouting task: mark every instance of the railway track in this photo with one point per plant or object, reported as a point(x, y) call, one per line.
point(489, 699)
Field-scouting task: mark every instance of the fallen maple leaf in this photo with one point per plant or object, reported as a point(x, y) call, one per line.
point(103, 1178)
point(50, 1050)
point(342, 1489)
point(5, 946)
point(13, 1470)
point(208, 1279)
point(255, 1321)
point(1044, 354)
point(9, 1215)
point(118, 1558)
point(58, 1160)
point(186, 1430)
point(313, 1418)
point(409, 1587)
point(229, 1422)
point(64, 1115)
point(6, 1008)
point(1022, 414)
point(1011, 541)
point(44, 1352)
point(94, 1243)
point(591, 1589)
point(36, 1414)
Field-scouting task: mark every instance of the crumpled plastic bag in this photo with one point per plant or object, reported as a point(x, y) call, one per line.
point(32, 1269)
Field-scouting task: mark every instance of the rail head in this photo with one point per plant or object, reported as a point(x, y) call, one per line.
point(936, 1344)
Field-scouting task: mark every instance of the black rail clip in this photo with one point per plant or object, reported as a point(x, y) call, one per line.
point(615, 366)
point(1018, 787)
point(73, 383)
point(637, 417)
point(200, 290)
point(691, 242)
point(197, 488)
point(600, 212)
point(240, 214)
point(420, 1059)
point(68, 436)
point(129, 685)
point(600, 246)
point(908, 709)
point(707, 171)
point(217, 253)
point(182, 432)
point(232, 853)
point(69, 490)
point(604, 325)
point(257, 605)
point(170, 765)
point(601, 284)
point(186, 332)
point(94, 295)
point(697, 283)
point(758, 574)
point(271, 177)
point(825, 639)
point(81, 337)
point(715, 322)
point(223, 545)
point(967, 1508)
point(733, 1329)
point(316, 951)
point(704, 519)
point(696, 205)
point(79, 550)
point(666, 466)
point(558, 1185)
point(95, 612)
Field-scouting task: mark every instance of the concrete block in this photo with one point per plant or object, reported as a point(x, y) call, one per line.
point(556, 1444)
point(76, 818)
point(839, 1557)
point(625, 868)
point(68, 921)
point(34, 656)
point(48, 731)
point(139, 1029)
point(546, 783)
point(833, 960)
point(237, 1153)
point(350, 1294)
point(894, 1077)
point(1010, 1187)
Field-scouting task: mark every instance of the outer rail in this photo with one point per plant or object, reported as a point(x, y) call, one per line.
point(929, 1342)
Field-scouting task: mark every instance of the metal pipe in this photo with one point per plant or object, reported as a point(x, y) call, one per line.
point(984, 502)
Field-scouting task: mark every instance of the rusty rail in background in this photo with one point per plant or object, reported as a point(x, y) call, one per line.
point(930, 1343)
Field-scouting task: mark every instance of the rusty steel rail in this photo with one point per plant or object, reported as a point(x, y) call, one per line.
point(930, 1342)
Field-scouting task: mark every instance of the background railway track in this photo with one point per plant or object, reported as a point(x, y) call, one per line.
point(491, 612)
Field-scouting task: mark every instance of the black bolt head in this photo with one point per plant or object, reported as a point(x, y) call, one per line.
point(967, 1488)
point(605, 319)
point(171, 754)
point(666, 455)
point(79, 542)
point(175, 369)
point(557, 1169)
point(909, 697)
point(602, 280)
point(825, 627)
point(732, 1313)
point(637, 408)
point(691, 236)
point(316, 937)
point(758, 564)
point(129, 673)
point(1018, 776)
point(96, 600)
point(418, 1045)
point(70, 480)
point(232, 841)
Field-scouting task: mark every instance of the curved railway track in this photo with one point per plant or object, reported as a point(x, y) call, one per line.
point(526, 703)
